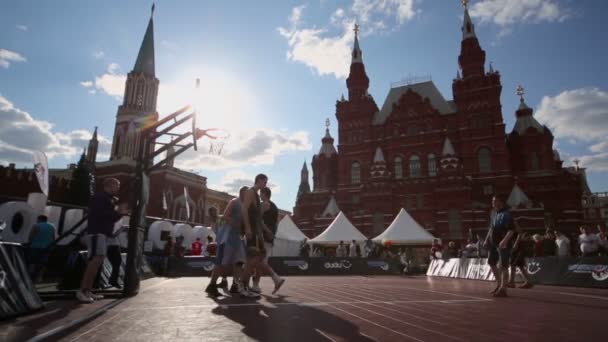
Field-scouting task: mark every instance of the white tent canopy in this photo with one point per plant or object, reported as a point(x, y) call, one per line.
point(339, 230)
point(287, 230)
point(288, 239)
point(404, 230)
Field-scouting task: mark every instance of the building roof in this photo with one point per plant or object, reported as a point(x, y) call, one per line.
point(424, 89)
point(517, 198)
point(379, 156)
point(526, 121)
point(339, 230)
point(332, 208)
point(448, 148)
point(145, 57)
point(404, 230)
point(287, 230)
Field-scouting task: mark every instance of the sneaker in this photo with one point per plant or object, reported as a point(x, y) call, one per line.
point(495, 290)
point(223, 285)
point(526, 285)
point(116, 285)
point(278, 285)
point(95, 296)
point(83, 297)
point(500, 293)
point(255, 288)
point(212, 291)
point(245, 293)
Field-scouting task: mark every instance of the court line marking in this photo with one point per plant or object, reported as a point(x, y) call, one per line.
point(374, 323)
point(316, 303)
point(433, 291)
point(399, 320)
point(325, 335)
point(430, 313)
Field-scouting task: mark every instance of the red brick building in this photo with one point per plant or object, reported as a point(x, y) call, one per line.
point(441, 160)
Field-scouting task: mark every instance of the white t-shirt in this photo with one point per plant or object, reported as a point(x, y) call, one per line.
point(352, 250)
point(589, 243)
point(563, 246)
point(341, 251)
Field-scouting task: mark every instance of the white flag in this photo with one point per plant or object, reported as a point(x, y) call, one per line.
point(187, 204)
point(164, 201)
point(41, 167)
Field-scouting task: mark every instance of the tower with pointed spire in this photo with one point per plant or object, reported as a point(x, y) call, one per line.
point(139, 100)
point(325, 163)
point(304, 187)
point(357, 81)
point(92, 148)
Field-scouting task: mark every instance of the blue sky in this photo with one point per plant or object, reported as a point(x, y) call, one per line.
point(271, 72)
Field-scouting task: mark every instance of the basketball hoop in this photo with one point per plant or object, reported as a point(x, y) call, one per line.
point(218, 138)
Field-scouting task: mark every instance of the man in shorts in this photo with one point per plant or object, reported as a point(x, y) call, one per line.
point(520, 251)
point(270, 218)
point(231, 249)
point(499, 244)
point(102, 216)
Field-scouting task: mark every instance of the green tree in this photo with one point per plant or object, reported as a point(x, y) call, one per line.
point(80, 192)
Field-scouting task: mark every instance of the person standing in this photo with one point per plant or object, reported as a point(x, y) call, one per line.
point(270, 218)
point(341, 250)
point(41, 237)
point(589, 242)
point(563, 244)
point(352, 249)
point(113, 253)
point(499, 242)
point(101, 219)
point(520, 251)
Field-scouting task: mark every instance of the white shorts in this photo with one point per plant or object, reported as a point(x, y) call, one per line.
point(268, 247)
point(97, 245)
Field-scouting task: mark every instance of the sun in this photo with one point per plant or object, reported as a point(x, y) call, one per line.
point(220, 101)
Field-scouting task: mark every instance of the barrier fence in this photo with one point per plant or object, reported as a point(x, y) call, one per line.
point(562, 271)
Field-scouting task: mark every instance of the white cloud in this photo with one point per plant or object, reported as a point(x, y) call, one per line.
point(21, 134)
point(98, 54)
point(327, 49)
point(244, 148)
point(580, 116)
point(22, 28)
point(235, 179)
point(111, 83)
point(8, 56)
point(509, 12)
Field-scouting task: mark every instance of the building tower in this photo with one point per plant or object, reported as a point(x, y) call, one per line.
point(139, 101)
point(92, 148)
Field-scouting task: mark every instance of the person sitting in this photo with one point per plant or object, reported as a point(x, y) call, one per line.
point(211, 249)
point(436, 250)
point(197, 247)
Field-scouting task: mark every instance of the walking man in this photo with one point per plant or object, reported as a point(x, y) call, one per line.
point(499, 243)
point(270, 218)
point(102, 216)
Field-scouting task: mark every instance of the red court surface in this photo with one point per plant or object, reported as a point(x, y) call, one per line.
point(346, 309)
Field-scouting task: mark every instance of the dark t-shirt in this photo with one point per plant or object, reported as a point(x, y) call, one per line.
point(102, 215)
point(270, 218)
point(502, 222)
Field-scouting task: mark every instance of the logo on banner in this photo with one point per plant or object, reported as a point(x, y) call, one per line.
point(206, 265)
point(301, 264)
point(345, 264)
point(533, 267)
point(598, 272)
point(383, 265)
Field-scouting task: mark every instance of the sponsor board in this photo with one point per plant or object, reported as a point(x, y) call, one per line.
point(341, 264)
point(598, 272)
point(206, 265)
point(301, 264)
point(383, 265)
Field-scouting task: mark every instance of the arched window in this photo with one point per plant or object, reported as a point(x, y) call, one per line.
point(398, 168)
point(534, 161)
point(432, 164)
point(484, 157)
point(414, 166)
point(355, 173)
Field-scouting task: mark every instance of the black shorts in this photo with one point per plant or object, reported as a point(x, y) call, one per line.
point(499, 256)
point(255, 246)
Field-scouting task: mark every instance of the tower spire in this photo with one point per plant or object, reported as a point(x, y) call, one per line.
point(468, 29)
point(145, 57)
point(357, 81)
point(472, 57)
